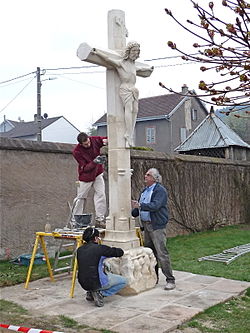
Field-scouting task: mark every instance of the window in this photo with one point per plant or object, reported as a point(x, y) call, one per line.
point(150, 135)
point(194, 114)
point(183, 134)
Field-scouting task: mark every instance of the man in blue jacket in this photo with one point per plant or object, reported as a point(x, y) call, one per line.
point(153, 212)
point(91, 273)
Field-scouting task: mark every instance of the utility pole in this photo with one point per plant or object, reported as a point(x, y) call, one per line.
point(39, 119)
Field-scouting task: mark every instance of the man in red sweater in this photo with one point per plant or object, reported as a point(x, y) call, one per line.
point(90, 170)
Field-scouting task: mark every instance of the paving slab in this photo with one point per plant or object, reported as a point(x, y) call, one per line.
point(154, 311)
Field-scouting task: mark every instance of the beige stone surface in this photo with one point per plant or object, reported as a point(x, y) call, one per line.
point(138, 266)
point(155, 310)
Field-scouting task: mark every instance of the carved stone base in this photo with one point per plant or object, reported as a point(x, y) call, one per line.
point(138, 266)
point(121, 232)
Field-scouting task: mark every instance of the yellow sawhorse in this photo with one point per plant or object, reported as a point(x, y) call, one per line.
point(40, 238)
point(77, 237)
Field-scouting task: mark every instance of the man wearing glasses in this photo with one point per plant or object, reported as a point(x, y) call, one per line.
point(153, 213)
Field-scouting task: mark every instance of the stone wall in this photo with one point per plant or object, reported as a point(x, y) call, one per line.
point(204, 192)
point(36, 179)
point(39, 179)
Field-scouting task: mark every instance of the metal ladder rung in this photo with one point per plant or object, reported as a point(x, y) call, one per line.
point(71, 256)
point(66, 257)
point(227, 256)
point(239, 249)
point(62, 269)
point(68, 245)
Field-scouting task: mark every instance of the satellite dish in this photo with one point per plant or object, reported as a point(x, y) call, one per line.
point(45, 116)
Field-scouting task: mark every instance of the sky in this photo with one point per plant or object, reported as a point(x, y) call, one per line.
point(47, 33)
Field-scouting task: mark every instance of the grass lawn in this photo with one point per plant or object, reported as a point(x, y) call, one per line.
point(229, 317)
point(17, 315)
point(11, 274)
point(185, 251)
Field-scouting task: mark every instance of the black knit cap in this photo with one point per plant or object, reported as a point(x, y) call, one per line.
point(89, 234)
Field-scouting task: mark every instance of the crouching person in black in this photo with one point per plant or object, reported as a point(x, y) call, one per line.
point(91, 273)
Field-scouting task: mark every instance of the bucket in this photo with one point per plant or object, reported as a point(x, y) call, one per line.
point(83, 220)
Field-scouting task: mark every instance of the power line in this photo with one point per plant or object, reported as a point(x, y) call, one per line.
point(95, 66)
point(12, 83)
point(18, 77)
point(171, 57)
point(17, 94)
point(55, 69)
point(44, 71)
point(103, 71)
point(88, 84)
point(185, 63)
point(92, 72)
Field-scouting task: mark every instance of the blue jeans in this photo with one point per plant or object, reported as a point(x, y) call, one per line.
point(115, 283)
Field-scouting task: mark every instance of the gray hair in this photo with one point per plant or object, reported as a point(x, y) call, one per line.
point(156, 175)
point(129, 46)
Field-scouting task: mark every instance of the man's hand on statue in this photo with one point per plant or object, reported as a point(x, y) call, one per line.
point(135, 204)
point(105, 142)
point(100, 159)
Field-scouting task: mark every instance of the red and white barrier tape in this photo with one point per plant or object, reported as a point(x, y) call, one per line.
point(26, 329)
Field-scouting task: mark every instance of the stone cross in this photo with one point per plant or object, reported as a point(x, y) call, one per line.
point(120, 226)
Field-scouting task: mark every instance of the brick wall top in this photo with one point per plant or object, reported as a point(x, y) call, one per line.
point(56, 147)
point(48, 147)
point(154, 155)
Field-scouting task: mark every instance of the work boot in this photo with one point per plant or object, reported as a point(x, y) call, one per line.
point(170, 286)
point(89, 296)
point(98, 298)
point(100, 224)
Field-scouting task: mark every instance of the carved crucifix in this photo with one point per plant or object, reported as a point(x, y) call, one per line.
point(124, 62)
point(122, 108)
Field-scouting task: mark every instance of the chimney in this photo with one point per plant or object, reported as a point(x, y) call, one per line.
point(184, 89)
point(211, 110)
point(35, 117)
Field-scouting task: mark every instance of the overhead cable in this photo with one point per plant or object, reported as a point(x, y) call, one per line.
point(12, 83)
point(55, 69)
point(18, 77)
point(92, 66)
point(17, 94)
point(171, 57)
point(88, 84)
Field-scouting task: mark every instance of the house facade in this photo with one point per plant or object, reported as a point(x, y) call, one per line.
point(165, 121)
point(56, 129)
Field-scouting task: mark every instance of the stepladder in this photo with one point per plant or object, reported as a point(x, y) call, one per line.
point(66, 252)
point(73, 237)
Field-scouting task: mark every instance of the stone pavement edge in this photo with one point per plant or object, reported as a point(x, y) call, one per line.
point(154, 311)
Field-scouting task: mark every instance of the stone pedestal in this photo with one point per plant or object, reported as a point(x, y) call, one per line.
point(138, 266)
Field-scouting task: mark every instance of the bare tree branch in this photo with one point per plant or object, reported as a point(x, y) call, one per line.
point(226, 50)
